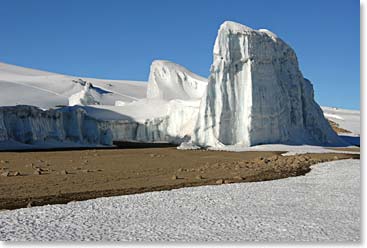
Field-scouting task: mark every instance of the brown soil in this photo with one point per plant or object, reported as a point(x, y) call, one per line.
point(50, 177)
point(336, 128)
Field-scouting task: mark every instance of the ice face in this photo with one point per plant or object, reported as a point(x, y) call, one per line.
point(257, 95)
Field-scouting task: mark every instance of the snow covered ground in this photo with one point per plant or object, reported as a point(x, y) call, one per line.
point(20, 85)
point(323, 205)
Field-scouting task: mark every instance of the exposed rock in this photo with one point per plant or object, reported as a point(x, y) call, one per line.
point(16, 173)
point(238, 178)
point(227, 181)
point(5, 174)
point(220, 181)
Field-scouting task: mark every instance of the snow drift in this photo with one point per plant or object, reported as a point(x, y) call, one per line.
point(257, 95)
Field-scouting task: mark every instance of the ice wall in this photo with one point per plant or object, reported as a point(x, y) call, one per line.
point(257, 95)
point(168, 81)
point(73, 126)
point(28, 125)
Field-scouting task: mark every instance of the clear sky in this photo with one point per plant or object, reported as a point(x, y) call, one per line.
point(119, 39)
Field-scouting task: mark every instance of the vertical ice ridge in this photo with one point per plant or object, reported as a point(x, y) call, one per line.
point(257, 95)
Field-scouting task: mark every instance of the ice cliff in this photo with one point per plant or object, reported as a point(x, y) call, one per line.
point(257, 95)
point(168, 80)
point(72, 125)
point(28, 125)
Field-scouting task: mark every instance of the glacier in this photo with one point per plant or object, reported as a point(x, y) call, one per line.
point(88, 123)
point(90, 120)
point(256, 94)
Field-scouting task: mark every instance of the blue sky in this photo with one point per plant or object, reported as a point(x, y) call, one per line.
point(119, 39)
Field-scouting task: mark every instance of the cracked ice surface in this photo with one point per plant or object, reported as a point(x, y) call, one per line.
point(324, 205)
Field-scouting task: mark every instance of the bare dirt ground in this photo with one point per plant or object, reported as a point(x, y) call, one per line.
point(50, 177)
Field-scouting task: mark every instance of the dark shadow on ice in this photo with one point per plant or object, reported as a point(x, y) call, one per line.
point(353, 140)
point(100, 90)
point(97, 89)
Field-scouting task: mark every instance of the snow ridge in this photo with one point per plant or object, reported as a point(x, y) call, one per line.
point(168, 81)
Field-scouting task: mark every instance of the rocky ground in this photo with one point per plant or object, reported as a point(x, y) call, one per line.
point(49, 177)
